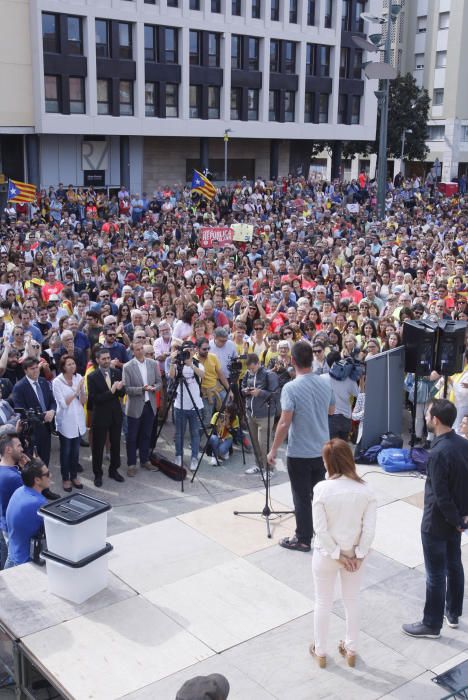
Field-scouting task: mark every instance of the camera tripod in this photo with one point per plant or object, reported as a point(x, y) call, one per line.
point(180, 382)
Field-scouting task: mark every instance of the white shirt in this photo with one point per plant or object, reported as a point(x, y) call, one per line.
point(344, 514)
point(69, 420)
point(144, 375)
point(187, 405)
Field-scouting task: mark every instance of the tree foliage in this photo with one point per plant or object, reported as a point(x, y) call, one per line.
point(408, 109)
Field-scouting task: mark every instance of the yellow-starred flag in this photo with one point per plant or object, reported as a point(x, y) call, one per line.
point(21, 191)
point(202, 185)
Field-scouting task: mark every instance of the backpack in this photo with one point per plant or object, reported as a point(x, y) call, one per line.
point(396, 460)
point(420, 457)
point(391, 440)
point(368, 456)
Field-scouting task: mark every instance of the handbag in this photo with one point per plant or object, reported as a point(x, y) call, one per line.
point(391, 440)
point(173, 471)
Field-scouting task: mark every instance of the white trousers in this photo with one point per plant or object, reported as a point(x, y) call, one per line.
point(325, 571)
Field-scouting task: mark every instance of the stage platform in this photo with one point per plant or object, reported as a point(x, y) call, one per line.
point(206, 592)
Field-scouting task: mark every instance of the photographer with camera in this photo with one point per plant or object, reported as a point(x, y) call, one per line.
point(183, 364)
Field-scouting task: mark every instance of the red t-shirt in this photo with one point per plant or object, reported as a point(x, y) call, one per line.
point(49, 289)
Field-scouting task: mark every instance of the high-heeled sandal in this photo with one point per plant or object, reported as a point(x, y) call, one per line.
point(348, 655)
point(68, 488)
point(321, 660)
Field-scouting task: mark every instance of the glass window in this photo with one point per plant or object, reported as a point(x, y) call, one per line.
point(236, 96)
point(194, 4)
point(254, 44)
point(275, 10)
point(150, 100)
point(195, 53)
point(216, 6)
point(359, 8)
point(213, 101)
point(213, 49)
point(464, 132)
point(309, 107)
point(236, 51)
point(76, 89)
point(289, 57)
point(344, 62)
point(273, 102)
point(252, 104)
point(236, 8)
point(310, 59)
point(170, 45)
point(289, 100)
point(150, 43)
point(345, 15)
point(355, 109)
point(323, 55)
point(50, 39)
point(421, 24)
point(311, 13)
point(419, 61)
point(274, 55)
point(195, 94)
point(328, 13)
point(444, 20)
point(125, 40)
point(74, 35)
point(441, 59)
point(342, 109)
point(102, 38)
point(357, 64)
point(51, 90)
point(323, 108)
point(256, 9)
point(173, 3)
point(436, 132)
point(293, 11)
point(103, 93)
point(126, 97)
point(172, 100)
point(438, 97)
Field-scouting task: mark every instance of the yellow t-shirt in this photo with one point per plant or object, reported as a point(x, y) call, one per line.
point(211, 365)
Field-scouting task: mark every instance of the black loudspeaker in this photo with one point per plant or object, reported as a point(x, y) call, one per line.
point(420, 341)
point(450, 347)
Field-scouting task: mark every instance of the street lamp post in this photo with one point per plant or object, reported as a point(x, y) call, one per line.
point(402, 155)
point(226, 140)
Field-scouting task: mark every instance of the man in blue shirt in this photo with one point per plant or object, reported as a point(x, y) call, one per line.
point(11, 457)
point(22, 519)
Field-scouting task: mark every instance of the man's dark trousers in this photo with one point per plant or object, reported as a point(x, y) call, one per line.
point(304, 473)
point(445, 580)
point(139, 435)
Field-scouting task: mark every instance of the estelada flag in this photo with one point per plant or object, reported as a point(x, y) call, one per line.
point(21, 191)
point(201, 184)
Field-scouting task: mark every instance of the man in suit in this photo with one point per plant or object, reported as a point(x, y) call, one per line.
point(142, 380)
point(105, 388)
point(34, 392)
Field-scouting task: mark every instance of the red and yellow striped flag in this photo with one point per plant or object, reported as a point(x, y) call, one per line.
point(21, 191)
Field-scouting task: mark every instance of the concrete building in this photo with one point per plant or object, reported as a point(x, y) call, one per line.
point(142, 91)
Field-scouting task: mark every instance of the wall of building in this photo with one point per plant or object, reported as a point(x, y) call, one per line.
point(16, 102)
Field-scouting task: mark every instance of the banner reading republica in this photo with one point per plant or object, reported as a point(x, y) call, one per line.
point(208, 234)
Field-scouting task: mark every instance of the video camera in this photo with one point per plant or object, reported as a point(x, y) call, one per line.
point(184, 353)
point(29, 417)
point(235, 364)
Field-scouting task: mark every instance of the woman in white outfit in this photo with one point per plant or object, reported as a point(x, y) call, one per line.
point(344, 512)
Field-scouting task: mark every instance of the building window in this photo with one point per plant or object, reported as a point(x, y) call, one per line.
point(357, 64)
point(126, 98)
point(252, 105)
point(213, 50)
point(195, 48)
point(254, 52)
point(289, 57)
point(236, 51)
point(75, 35)
point(444, 20)
point(421, 24)
point(236, 98)
point(328, 13)
point(311, 13)
point(323, 61)
point(194, 5)
point(173, 3)
point(275, 10)
point(102, 38)
point(346, 16)
point(419, 61)
point(125, 40)
point(150, 2)
point(216, 6)
point(52, 94)
point(172, 100)
point(464, 132)
point(274, 55)
point(438, 97)
point(359, 8)
point(293, 11)
point(289, 101)
point(273, 104)
point(441, 59)
point(309, 107)
point(76, 88)
point(236, 8)
point(150, 100)
point(103, 96)
point(345, 55)
point(256, 9)
point(356, 109)
point(436, 132)
point(323, 108)
point(214, 94)
point(50, 37)
point(150, 43)
point(342, 109)
point(170, 45)
point(195, 99)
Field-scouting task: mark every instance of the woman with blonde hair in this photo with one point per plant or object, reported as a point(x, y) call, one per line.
point(344, 511)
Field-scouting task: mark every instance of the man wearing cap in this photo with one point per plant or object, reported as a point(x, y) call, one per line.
point(350, 292)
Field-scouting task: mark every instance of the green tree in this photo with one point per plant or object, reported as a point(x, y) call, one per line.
point(408, 109)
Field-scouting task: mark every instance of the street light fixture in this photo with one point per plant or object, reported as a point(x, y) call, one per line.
point(403, 137)
point(226, 140)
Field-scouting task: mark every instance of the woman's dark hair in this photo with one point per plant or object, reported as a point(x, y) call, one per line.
point(188, 314)
point(332, 357)
point(302, 354)
point(63, 360)
point(372, 324)
point(444, 410)
point(339, 460)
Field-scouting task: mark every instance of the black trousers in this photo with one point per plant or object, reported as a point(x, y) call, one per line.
point(339, 426)
point(99, 441)
point(41, 441)
point(304, 473)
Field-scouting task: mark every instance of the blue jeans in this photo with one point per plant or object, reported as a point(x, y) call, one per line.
point(445, 579)
point(182, 417)
point(3, 550)
point(69, 457)
point(220, 447)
